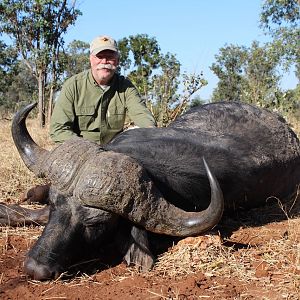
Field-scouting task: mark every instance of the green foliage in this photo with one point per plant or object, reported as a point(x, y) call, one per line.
point(77, 58)
point(164, 86)
point(287, 102)
point(140, 55)
point(169, 104)
point(157, 77)
point(229, 68)
point(17, 84)
point(252, 74)
point(37, 27)
point(197, 101)
point(261, 79)
point(22, 90)
point(281, 19)
point(248, 75)
point(8, 66)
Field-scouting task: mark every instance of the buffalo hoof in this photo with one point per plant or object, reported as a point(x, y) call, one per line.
point(38, 271)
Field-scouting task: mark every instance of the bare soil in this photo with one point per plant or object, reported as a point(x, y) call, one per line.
point(255, 255)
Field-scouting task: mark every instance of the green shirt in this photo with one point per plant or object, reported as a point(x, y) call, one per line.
point(85, 109)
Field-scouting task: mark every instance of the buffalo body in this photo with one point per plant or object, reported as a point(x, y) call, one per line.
point(155, 179)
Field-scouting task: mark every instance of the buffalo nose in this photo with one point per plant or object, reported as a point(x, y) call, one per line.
point(39, 271)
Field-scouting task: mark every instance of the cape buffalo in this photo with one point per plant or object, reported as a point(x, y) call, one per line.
point(157, 180)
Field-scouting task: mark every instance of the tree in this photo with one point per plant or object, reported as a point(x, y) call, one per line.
point(140, 55)
point(8, 70)
point(252, 74)
point(157, 77)
point(261, 81)
point(22, 89)
point(229, 68)
point(197, 101)
point(247, 74)
point(37, 28)
point(77, 58)
point(164, 86)
point(281, 19)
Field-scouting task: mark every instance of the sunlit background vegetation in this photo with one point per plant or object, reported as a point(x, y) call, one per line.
point(34, 67)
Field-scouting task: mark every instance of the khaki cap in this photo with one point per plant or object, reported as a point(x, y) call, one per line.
point(101, 43)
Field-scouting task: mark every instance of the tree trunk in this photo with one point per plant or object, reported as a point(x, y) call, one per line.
point(50, 104)
point(41, 104)
point(54, 62)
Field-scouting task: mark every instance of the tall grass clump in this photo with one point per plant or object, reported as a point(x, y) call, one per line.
point(15, 178)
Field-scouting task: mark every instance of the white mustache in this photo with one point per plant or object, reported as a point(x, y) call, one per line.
point(106, 66)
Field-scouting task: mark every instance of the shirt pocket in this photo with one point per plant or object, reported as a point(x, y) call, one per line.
point(86, 117)
point(116, 116)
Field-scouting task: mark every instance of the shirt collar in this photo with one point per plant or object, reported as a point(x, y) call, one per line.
point(93, 81)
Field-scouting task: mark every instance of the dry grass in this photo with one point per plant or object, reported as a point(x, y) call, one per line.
point(209, 255)
point(7, 233)
point(294, 123)
point(271, 260)
point(15, 178)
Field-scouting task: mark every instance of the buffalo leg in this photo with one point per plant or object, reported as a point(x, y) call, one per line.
point(138, 252)
point(13, 215)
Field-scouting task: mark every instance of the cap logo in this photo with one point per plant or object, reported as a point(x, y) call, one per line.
point(101, 43)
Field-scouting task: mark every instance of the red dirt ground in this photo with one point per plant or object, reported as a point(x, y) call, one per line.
point(273, 276)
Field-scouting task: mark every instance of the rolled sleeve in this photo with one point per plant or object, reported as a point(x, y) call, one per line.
point(63, 116)
point(137, 109)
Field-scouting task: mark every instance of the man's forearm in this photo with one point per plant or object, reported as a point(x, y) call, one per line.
point(60, 133)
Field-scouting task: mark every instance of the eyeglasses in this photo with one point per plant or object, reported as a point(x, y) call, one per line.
point(107, 57)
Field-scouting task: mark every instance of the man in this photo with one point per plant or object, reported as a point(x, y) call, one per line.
point(94, 103)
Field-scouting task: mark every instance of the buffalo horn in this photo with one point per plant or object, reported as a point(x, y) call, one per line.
point(29, 151)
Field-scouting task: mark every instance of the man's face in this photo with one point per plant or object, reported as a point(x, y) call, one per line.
point(104, 65)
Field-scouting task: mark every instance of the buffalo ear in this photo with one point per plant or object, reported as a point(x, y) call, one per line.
point(38, 194)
